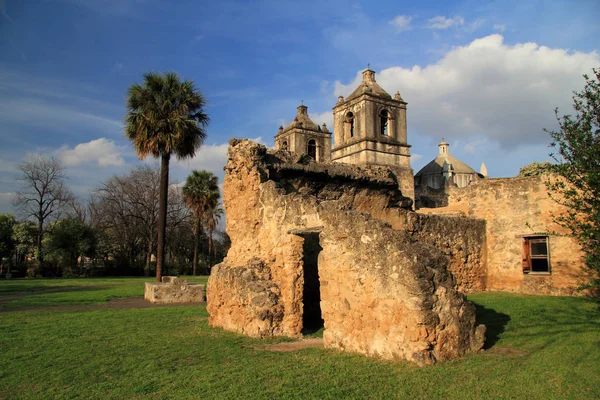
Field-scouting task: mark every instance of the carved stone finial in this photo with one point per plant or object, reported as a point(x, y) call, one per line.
point(340, 99)
point(397, 95)
point(324, 127)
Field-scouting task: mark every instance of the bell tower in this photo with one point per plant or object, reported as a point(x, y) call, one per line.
point(303, 136)
point(370, 126)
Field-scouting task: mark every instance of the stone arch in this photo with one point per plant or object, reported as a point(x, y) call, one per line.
point(384, 122)
point(349, 124)
point(311, 149)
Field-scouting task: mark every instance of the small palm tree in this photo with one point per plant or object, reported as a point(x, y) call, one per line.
point(165, 117)
point(212, 220)
point(201, 194)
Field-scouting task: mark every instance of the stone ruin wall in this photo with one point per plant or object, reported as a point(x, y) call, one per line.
point(384, 292)
point(513, 207)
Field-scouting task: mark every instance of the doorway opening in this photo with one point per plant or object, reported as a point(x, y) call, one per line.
point(312, 320)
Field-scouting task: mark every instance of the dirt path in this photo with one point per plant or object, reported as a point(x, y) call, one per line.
point(292, 346)
point(127, 302)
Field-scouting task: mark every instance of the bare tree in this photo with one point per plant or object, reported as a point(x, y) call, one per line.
point(127, 206)
point(44, 194)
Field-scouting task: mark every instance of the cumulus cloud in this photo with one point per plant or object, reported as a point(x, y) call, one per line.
point(506, 93)
point(401, 23)
point(212, 158)
point(441, 22)
point(103, 152)
point(325, 117)
point(6, 202)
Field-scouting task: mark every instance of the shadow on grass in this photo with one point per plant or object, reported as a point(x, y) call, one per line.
point(495, 323)
point(315, 331)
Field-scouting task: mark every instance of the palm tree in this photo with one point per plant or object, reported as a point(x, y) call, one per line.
point(165, 116)
point(212, 220)
point(201, 194)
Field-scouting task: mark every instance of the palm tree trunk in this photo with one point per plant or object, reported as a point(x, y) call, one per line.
point(162, 214)
point(209, 250)
point(196, 243)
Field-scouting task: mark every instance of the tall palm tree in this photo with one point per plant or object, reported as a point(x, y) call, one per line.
point(165, 117)
point(212, 219)
point(201, 194)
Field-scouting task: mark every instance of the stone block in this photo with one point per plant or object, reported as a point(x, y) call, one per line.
point(161, 292)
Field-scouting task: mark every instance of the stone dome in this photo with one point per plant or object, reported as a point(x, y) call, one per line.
point(445, 165)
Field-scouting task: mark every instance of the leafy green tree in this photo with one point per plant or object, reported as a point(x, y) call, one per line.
point(201, 194)
point(577, 146)
point(165, 117)
point(7, 244)
point(25, 242)
point(69, 240)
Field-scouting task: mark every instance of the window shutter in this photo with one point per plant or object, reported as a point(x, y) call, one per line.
point(526, 258)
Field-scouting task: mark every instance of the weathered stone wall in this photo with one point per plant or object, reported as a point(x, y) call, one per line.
point(388, 276)
point(461, 239)
point(426, 196)
point(513, 207)
point(385, 295)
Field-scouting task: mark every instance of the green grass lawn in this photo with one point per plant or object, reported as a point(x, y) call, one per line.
point(541, 348)
point(67, 292)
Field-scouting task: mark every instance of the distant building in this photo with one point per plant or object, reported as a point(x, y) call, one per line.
point(432, 181)
point(370, 129)
point(302, 135)
point(446, 169)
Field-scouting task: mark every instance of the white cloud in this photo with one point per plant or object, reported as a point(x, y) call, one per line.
point(441, 22)
point(506, 93)
point(499, 27)
point(401, 23)
point(415, 157)
point(473, 146)
point(212, 158)
point(326, 117)
point(102, 151)
point(6, 203)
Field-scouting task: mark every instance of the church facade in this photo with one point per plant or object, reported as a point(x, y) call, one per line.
point(370, 129)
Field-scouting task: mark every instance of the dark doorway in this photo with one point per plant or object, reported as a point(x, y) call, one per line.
point(311, 317)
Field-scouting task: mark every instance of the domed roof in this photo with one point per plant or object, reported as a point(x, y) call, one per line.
point(302, 121)
point(436, 167)
point(369, 86)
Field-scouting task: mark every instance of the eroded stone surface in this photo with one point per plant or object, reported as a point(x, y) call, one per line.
point(161, 292)
point(385, 289)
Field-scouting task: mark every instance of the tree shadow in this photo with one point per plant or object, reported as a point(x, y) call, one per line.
point(495, 323)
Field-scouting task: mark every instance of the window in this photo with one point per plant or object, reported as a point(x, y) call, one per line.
point(284, 145)
point(349, 124)
point(311, 148)
point(383, 122)
point(536, 257)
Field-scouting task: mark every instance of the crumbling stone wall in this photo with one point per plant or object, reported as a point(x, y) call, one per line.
point(384, 292)
point(512, 208)
point(461, 239)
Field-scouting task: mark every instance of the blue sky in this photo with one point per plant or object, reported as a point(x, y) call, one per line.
point(486, 76)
